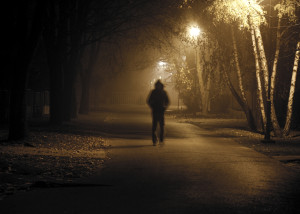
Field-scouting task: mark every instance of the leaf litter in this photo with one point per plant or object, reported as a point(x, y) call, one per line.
point(49, 156)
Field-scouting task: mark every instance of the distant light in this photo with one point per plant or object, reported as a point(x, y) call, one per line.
point(160, 77)
point(161, 63)
point(194, 31)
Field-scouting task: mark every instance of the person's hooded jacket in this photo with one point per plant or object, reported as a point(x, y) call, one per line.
point(158, 99)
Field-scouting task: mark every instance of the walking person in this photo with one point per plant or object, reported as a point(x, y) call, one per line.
point(158, 101)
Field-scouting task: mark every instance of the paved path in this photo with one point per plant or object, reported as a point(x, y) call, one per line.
point(192, 172)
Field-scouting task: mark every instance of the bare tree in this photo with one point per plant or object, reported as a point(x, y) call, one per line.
point(27, 28)
point(287, 125)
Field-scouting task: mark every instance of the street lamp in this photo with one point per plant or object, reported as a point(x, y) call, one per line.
point(194, 32)
point(161, 63)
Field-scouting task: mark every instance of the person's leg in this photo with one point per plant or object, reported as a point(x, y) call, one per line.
point(161, 125)
point(154, 126)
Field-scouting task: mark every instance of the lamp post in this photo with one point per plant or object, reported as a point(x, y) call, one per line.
point(194, 32)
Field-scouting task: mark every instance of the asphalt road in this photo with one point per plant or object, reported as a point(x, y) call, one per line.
point(192, 172)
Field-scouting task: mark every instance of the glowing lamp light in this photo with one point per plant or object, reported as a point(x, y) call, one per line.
point(161, 63)
point(194, 31)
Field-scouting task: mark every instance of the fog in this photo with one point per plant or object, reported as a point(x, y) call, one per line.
point(126, 73)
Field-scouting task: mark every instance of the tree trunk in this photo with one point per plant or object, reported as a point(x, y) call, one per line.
point(237, 66)
point(76, 25)
point(85, 94)
point(85, 76)
point(56, 92)
point(55, 42)
point(17, 114)
point(17, 108)
point(70, 107)
point(241, 100)
point(287, 125)
point(259, 86)
point(263, 59)
point(276, 126)
point(206, 95)
point(246, 109)
point(27, 41)
point(203, 92)
point(264, 66)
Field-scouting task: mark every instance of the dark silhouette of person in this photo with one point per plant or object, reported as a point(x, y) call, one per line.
point(158, 101)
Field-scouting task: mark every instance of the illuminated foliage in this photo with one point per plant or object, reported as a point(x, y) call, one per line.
point(185, 82)
point(238, 11)
point(287, 7)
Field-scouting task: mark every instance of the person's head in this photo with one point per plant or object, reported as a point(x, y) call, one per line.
point(159, 85)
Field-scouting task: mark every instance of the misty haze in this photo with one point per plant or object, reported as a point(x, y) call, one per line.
point(138, 106)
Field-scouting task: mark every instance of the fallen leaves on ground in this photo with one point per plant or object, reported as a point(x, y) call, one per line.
point(50, 157)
